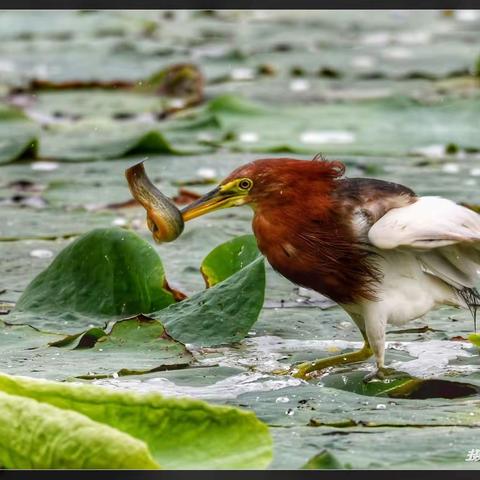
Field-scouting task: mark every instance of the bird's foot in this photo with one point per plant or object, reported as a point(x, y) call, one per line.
point(281, 371)
point(302, 371)
point(381, 374)
point(305, 371)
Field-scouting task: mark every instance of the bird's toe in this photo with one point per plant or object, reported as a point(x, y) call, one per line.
point(381, 373)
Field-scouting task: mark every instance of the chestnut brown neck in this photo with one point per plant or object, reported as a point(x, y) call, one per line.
point(311, 242)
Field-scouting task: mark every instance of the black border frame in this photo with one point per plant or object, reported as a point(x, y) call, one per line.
point(241, 4)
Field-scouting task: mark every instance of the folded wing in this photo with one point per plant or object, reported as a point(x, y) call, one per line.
point(445, 235)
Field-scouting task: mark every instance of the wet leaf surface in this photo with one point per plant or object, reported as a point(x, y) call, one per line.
point(134, 346)
point(175, 433)
point(103, 275)
point(228, 258)
point(222, 314)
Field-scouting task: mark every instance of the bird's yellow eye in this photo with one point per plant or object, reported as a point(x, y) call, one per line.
point(245, 184)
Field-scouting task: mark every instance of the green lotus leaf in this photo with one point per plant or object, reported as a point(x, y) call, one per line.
point(104, 274)
point(180, 433)
point(133, 346)
point(221, 314)
point(38, 435)
point(228, 258)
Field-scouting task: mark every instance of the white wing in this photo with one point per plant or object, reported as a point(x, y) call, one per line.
point(445, 235)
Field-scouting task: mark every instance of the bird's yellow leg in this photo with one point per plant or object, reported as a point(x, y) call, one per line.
point(302, 370)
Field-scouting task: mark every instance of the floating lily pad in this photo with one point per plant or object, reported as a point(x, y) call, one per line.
point(51, 224)
point(89, 142)
point(133, 346)
point(105, 274)
point(228, 258)
point(221, 314)
point(394, 126)
point(403, 386)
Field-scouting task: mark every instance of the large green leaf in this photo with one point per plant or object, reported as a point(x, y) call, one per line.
point(180, 433)
point(38, 435)
point(228, 258)
point(108, 139)
point(105, 274)
point(221, 314)
point(395, 126)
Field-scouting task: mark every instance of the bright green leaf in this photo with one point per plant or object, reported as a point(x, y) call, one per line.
point(38, 435)
point(104, 274)
point(221, 314)
point(475, 339)
point(180, 433)
point(228, 258)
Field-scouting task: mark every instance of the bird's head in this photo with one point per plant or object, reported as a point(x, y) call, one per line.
point(272, 180)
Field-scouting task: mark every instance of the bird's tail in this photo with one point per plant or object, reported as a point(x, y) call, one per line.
point(471, 297)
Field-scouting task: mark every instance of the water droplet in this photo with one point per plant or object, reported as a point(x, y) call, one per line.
point(451, 168)
point(40, 253)
point(242, 74)
point(282, 400)
point(207, 173)
point(177, 103)
point(467, 15)
point(248, 137)
point(290, 412)
point(44, 166)
point(363, 62)
point(299, 85)
point(119, 222)
point(327, 137)
point(381, 406)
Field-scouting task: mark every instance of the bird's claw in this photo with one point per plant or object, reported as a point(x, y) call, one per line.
point(381, 373)
point(298, 371)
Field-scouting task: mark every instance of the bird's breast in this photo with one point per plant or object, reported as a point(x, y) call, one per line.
point(321, 256)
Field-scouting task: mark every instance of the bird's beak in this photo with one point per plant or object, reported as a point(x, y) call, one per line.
point(220, 197)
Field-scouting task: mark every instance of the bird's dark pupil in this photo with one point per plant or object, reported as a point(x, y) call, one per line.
point(244, 184)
